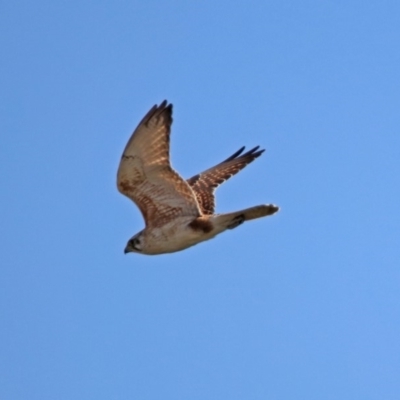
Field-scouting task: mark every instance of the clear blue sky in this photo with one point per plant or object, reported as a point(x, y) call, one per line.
point(302, 305)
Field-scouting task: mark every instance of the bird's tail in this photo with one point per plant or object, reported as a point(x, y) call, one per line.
point(234, 219)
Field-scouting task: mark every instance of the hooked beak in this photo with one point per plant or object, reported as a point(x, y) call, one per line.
point(127, 250)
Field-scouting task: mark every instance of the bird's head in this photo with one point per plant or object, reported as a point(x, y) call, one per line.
point(135, 244)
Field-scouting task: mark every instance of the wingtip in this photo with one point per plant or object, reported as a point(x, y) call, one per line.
point(234, 155)
point(255, 151)
point(164, 104)
point(159, 110)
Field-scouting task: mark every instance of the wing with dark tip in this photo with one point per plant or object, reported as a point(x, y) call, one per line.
point(145, 174)
point(204, 184)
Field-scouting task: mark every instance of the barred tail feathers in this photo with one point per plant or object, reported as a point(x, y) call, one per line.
point(234, 219)
point(255, 212)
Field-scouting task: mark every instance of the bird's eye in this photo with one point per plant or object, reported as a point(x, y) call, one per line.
point(135, 242)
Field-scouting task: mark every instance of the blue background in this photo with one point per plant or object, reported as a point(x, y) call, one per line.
point(302, 305)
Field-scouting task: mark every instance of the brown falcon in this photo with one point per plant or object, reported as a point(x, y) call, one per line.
point(177, 213)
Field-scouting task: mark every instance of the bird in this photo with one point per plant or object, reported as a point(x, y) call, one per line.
point(178, 213)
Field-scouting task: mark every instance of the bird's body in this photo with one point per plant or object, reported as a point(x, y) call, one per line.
point(174, 236)
point(178, 213)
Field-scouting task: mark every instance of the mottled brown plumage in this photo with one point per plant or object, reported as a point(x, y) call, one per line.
point(145, 174)
point(177, 213)
point(205, 183)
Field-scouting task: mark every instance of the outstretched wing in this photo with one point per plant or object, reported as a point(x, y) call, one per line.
point(204, 184)
point(145, 174)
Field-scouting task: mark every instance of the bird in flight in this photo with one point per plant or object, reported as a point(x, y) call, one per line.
point(178, 213)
